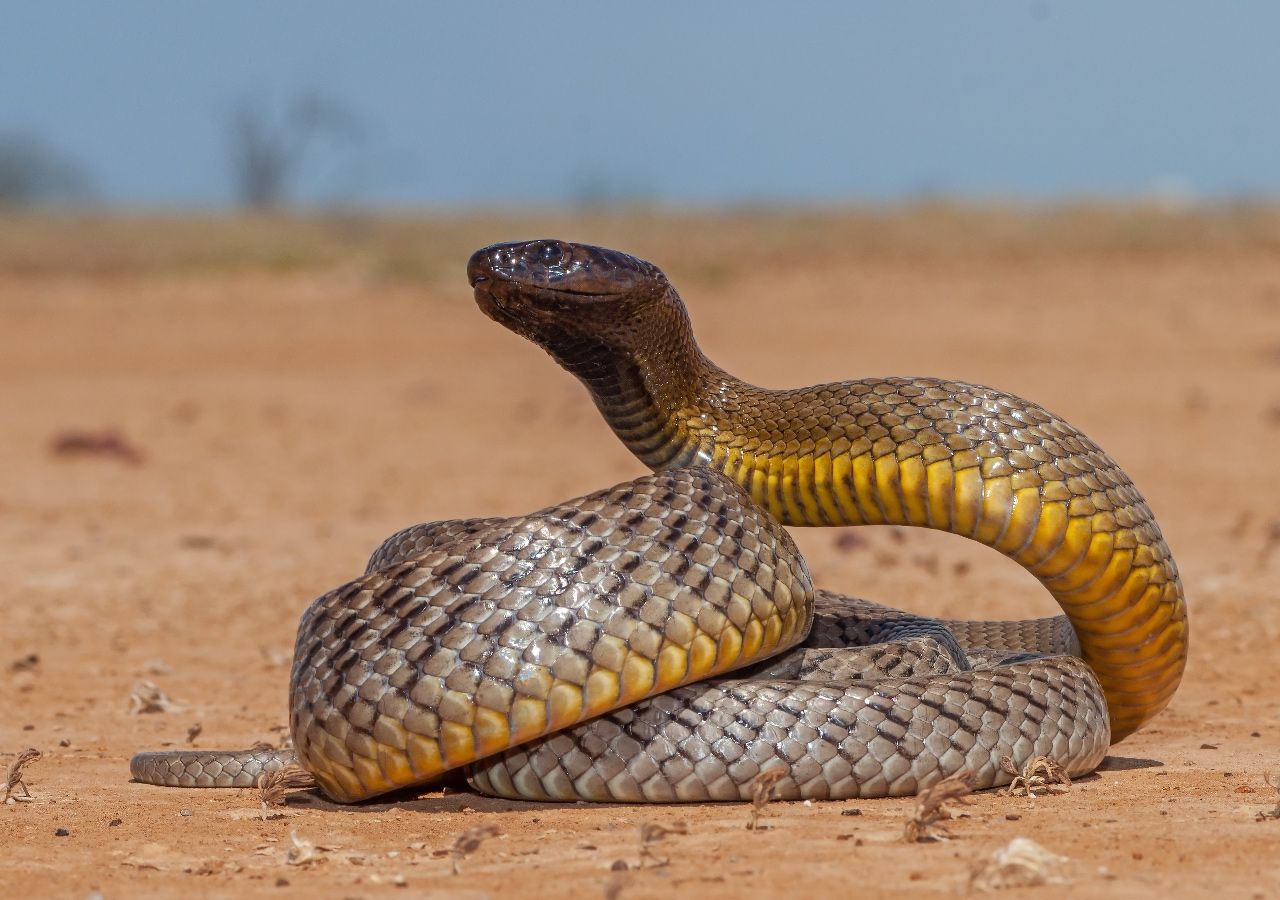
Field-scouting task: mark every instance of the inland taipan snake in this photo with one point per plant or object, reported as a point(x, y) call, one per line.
point(565, 654)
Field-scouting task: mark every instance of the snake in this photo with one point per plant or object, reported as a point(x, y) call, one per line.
point(662, 640)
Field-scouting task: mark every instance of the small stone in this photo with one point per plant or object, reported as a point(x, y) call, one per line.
point(184, 812)
point(1012, 817)
point(282, 882)
point(853, 811)
point(115, 823)
point(61, 832)
point(619, 865)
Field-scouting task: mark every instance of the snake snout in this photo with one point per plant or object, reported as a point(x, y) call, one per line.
point(539, 262)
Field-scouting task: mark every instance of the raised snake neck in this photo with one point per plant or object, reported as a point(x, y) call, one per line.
point(906, 451)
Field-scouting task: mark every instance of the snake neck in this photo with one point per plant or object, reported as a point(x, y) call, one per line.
point(923, 452)
point(652, 391)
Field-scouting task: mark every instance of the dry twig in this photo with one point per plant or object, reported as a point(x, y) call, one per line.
point(273, 785)
point(1021, 863)
point(925, 823)
point(1040, 772)
point(14, 782)
point(147, 698)
point(761, 793)
point(650, 834)
point(469, 842)
point(1273, 782)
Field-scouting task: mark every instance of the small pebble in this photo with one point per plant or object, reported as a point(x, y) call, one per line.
point(184, 812)
point(115, 823)
point(61, 832)
point(1012, 817)
point(851, 812)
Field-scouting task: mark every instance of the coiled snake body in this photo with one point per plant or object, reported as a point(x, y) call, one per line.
point(565, 654)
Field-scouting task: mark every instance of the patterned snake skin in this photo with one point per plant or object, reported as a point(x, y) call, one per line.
point(555, 655)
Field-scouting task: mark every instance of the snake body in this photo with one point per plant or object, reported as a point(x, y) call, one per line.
point(585, 651)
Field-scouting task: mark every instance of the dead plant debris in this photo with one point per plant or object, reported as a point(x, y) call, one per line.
point(304, 852)
point(14, 782)
point(1271, 540)
point(761, 793)
point(469, 842)
point(273, 784)
point(1273, 782)
point(652, 833)
point(107, 443)
point(147, 698)
point(1041, 773)
point(25, 663)
point(1020, 863)
point(194, 732)
point(925, 824)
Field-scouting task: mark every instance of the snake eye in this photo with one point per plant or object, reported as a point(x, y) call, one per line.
point(550, 254)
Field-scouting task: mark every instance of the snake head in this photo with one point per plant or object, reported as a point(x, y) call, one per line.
point(545, 288)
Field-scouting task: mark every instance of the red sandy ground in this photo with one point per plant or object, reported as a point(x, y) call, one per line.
point(287, 417)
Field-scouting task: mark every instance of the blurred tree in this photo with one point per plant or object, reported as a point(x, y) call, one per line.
point(32, 174)
point(267, 150)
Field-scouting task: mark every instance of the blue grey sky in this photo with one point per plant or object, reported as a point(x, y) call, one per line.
point(549, 102)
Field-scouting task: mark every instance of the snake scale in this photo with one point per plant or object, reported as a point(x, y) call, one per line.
point(661, 640)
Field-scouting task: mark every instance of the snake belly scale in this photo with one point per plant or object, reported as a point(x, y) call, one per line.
point(660, 640)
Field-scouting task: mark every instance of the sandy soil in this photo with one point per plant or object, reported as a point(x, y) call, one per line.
point(269, 423)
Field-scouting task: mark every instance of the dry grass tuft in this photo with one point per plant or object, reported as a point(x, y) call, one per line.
point(147, 698)
point(925, 823)
point(1042, 772)
point(650, 834)
point(469, 842)
point(1273, 782)
point(1021, 863)
point(275, 783)
point(14, 782)
point(761, 793)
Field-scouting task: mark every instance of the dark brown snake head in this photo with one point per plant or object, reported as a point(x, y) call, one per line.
point(560, 295)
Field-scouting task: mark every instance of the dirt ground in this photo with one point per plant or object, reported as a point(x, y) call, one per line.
point(207, 423)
